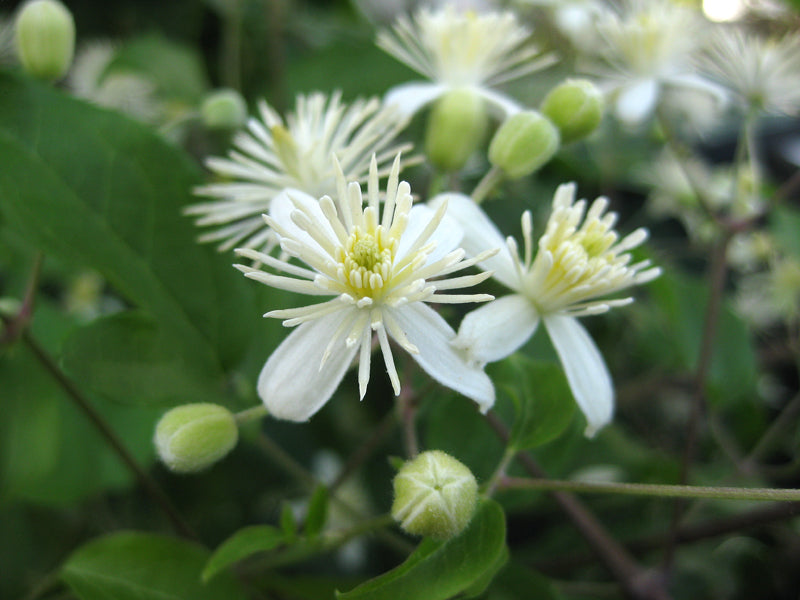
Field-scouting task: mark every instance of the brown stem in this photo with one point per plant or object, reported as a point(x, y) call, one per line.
point(145, 480)
point(718, 270)
point(687, 534)
point(635, 581)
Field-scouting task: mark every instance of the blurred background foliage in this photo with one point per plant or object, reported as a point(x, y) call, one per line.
point(142, 318)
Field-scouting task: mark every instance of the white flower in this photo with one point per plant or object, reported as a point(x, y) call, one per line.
point(378, 270)
point(272, 156)
point(580, 260)
point(573, 18)
point(645, 47)
point(457, 50)
point(762, 73)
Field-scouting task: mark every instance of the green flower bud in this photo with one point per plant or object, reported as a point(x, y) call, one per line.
point(523, 143)
point(224, 109)
point(192, 437)
point(434, 496)
point(576, 107)
point(45, 38)
point(456, 128)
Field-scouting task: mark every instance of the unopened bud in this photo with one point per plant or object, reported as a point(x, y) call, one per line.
point(192, 437)
point(45, 38)
point(523, 143)
point(575, 107)
point(224, 109)
point(434, 495)
point(456, 128)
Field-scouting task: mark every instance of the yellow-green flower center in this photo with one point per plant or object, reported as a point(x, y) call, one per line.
point(367, 261)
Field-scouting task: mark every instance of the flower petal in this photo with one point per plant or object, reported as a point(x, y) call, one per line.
point(637, 101)
point(497, 329)
point(447, 235)
point(292, 385)
point(585, 368)
point(501, 105)
point(412, 96)
point(480, 234)
point(285, 203)
point(448, 365)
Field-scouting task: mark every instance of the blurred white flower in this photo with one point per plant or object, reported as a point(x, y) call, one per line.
point(455, 50)
point(92, 78)
point(272, 156)
point(378, 270)
point(580, 260)
point(766, 298)
point(575, 19)
point(645, 46)
point(762, 73)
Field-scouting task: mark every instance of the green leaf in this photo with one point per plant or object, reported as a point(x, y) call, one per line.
point(141, 566)
point(541, 396)
point(99, 190)
point(784, 224)
point(127, 358)
point(437, 571)
point(288, 522)
point(49, 451)
point(176, 70)
point(317, 511)
point(243, 543)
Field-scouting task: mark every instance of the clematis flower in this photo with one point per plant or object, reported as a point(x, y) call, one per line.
point(272, 156)
point(458, 50)
point(378, 270)
point(580, 261)
point(644, 48)
point(761, 73)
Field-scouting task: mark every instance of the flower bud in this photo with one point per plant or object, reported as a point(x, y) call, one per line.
point(45, 38)
point(434, 495)
point(456, 127)
point(523, 143)
point(192, 437)
point(224, 109)
point(576, 108)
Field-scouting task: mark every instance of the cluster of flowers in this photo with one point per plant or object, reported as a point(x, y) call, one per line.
point(296, 184)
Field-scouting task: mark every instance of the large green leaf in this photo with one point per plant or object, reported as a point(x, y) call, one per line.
point(437, 571)
point(541, 396)
point(140, 566)
point(97, 189)
point(127, 358)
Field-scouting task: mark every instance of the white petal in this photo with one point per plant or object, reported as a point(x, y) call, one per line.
point(292, 385)
point(585, 369)
point(284, 204)
point(497, 329)
point(480, 234)
point(412, 96)
point(637, 101)
point(501, 105)
point(447, 235)
point(448, 365)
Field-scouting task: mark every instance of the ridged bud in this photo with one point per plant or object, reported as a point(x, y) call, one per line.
point(456, 128)
point(45, 38)
point(575, 107)
point(434, 496)
point(223, 109)
point(191, 437)
point(523, 143)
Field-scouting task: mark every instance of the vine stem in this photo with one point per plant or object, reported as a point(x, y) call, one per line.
point(487, 184)
point(147, 482)
point(648, 489)
point(636, 581)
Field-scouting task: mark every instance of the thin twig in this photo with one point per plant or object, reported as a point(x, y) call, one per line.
point(146, 481)
point(635, 580)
